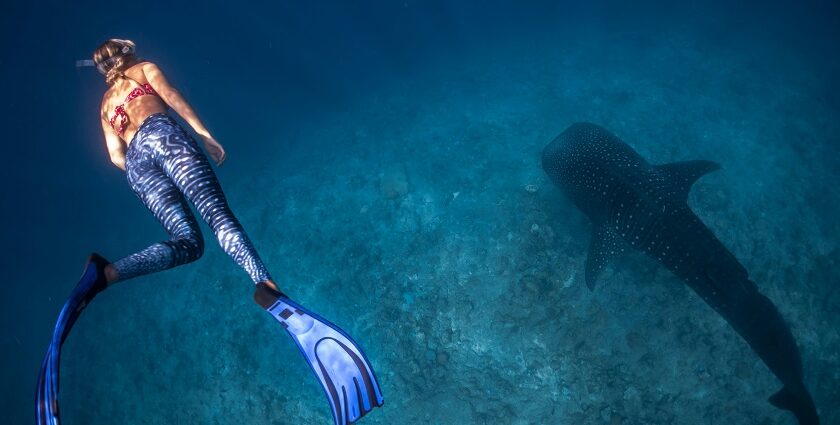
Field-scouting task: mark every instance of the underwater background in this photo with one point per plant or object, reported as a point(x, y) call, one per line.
point(384, 157)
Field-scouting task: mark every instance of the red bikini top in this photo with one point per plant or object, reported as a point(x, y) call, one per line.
point(119, 111)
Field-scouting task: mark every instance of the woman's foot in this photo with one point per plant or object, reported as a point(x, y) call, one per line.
point(111, 274)
point(266, 294)
point(272, 285)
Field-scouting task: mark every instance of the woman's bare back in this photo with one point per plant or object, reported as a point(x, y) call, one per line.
point(139, 108)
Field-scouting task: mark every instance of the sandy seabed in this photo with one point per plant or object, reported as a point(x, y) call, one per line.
point(419, 219)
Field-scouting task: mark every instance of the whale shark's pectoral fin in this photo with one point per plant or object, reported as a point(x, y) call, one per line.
point(681, 175)
point(602, 248)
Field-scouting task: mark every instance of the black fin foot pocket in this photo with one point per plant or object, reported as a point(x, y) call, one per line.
point(265, 295)
point(100, 262)
point(94, 279)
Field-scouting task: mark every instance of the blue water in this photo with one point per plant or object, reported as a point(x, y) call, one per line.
point(384, 158)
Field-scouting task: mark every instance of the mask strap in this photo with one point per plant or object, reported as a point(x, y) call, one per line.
point(82, 63)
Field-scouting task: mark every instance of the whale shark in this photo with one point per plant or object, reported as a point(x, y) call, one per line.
point(633, 204)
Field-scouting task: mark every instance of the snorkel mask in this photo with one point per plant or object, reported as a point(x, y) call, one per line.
point(106, 64)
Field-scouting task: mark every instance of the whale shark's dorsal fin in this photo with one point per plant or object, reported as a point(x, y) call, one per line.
point(681, 175)
point(605, 245)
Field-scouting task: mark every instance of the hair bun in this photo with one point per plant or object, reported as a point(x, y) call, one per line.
point(113, 57)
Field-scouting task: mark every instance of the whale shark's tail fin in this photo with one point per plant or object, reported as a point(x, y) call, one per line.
point(799, 402)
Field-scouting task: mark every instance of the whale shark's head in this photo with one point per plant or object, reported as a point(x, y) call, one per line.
point(568, 158)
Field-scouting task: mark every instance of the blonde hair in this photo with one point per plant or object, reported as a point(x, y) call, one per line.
point(113, 57)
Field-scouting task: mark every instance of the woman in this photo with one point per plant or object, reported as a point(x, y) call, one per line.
point(165, 168)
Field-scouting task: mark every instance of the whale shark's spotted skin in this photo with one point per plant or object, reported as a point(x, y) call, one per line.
point(633, 204)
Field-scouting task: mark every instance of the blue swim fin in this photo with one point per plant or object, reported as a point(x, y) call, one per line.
point(46, 391)
point(340, 365)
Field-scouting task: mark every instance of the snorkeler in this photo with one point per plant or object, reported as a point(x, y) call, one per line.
point(165, 167)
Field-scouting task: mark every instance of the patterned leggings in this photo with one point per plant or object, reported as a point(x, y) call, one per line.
point(164, 165)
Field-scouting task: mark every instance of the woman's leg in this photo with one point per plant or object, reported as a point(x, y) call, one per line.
point(165, 201)
point(188, 167)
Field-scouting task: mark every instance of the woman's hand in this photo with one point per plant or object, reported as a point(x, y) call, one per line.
point(214, 149)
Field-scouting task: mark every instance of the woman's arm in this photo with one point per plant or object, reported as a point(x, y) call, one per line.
point(116, 147)
point(173, 98)
point(177, 102)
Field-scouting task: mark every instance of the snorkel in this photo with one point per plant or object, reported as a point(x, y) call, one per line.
point(106, 64)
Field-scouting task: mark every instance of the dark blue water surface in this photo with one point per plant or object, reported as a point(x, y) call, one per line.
point(384, 158)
